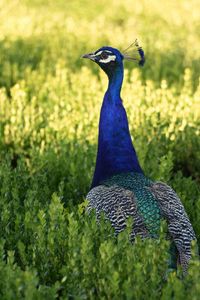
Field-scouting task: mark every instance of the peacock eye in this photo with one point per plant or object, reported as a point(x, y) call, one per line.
point(104, 55)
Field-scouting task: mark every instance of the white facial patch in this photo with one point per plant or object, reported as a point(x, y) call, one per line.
point(107, 51)
point(92, 57)
point(98, 53)
point(108, 59)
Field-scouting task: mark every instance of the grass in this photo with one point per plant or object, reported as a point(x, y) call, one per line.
point(50, 101)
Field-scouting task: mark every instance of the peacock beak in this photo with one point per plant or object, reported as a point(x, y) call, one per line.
point(89, 55)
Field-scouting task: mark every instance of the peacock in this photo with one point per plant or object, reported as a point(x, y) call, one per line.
point(119, 187)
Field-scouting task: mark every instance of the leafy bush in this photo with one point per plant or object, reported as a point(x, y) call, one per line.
point(49, 108)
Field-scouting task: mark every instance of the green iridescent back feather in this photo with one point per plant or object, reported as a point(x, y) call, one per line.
point(147, 204)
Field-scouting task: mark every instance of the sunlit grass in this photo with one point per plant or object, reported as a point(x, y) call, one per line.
point(50, 101)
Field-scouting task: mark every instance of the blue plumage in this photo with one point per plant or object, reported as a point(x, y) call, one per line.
point(119, 186)
point(116, 153)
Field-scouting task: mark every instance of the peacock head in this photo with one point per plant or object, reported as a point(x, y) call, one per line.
point(110, 59)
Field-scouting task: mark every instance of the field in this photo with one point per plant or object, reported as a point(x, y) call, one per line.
point(50, 101)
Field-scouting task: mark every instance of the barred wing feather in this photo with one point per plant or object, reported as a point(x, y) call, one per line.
point(118, 204)
point(179, 226)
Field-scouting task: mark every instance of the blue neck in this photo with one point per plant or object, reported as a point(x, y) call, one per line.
point(116, 153)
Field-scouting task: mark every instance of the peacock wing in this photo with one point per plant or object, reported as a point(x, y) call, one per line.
point(179, 226)
point(118, 204)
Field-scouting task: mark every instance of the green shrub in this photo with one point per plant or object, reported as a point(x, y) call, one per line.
point(49, 108)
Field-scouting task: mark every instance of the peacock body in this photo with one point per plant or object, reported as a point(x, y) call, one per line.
point(120, 192)
point(119, 187)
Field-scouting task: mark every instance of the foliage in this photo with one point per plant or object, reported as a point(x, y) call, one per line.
point(49, 108)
